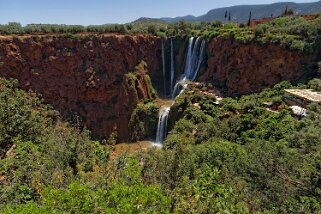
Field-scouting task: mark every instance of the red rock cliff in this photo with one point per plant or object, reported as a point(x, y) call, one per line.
point(85, 76)
point(246, 68)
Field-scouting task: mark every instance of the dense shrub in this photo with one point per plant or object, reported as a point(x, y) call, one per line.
point(270, 155)
point(143, 122)
point(37, 149)
point(315, 84)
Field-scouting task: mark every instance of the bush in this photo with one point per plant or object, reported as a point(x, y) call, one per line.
point(36, 148)
point(315, 84)
point(144, 120)
point(151, 29)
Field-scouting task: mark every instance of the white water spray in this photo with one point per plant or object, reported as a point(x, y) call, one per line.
point(162, 125)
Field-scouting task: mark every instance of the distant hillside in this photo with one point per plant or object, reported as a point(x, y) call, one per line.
point(145, 20)
point(142, 24)
point(241, 13)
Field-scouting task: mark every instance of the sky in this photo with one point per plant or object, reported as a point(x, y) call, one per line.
point(86, 12)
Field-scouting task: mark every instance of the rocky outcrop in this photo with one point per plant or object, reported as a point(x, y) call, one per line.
point(85, 76)
point(247, 68)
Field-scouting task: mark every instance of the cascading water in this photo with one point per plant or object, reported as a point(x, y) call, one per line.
point(199, 60)
point(162, 125)
point(172, 68)
point(178, 87)
point(164, 69)
point(189, 55)
point(194, 60)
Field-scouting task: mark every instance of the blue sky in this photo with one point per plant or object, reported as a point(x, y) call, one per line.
point(86, 12)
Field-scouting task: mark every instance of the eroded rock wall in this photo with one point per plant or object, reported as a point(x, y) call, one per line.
point(85, 75)
point(247, 68)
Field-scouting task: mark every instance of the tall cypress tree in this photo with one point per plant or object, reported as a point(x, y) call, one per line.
point(286, 11)
point(250, 19)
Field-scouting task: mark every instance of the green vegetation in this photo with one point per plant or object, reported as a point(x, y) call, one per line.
point(137, 77)
point(16, 28)
point(47, 166)
point(270, 159)
point(37, 149)
point(231, 157)
point(291, 32)
point(143, 122)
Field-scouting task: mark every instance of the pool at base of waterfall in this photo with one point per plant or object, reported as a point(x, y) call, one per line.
point(132, 148)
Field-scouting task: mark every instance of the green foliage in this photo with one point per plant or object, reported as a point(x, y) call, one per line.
point(16, 28)
point(143, 122)
point(229, 157)
point(21, 118)
point(151, 29)
point(291, 32)
point(235, 156)
point(85, 198)
point(315, 84)
point(294, 33)
point(37, 149)
point(272, 157)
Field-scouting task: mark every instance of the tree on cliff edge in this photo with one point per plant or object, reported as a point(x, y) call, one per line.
point(288, 12)
point(250, 19)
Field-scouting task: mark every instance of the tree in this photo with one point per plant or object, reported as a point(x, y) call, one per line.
point(229, 16)
point(129, 27)
point(288, 12)
point(217, 24)
point(120, 29)
point(225, 15)
point(250, 18)
point(151, 29)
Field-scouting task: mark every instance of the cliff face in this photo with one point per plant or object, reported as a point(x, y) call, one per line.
point(97, 77)
point(247, 68)
point(85, 76)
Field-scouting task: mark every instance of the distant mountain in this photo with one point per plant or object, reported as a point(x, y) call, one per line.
point(187, 18)
point(240, 13)
point(147, 20)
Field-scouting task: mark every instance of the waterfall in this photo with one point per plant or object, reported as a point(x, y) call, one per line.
point(188, 63)
point(162, 125)
point(172, 68)
point(178, 89)
point(164, 68)
point(199, 60)
point(193, 62)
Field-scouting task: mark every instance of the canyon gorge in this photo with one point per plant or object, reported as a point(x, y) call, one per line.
point(100, 79)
